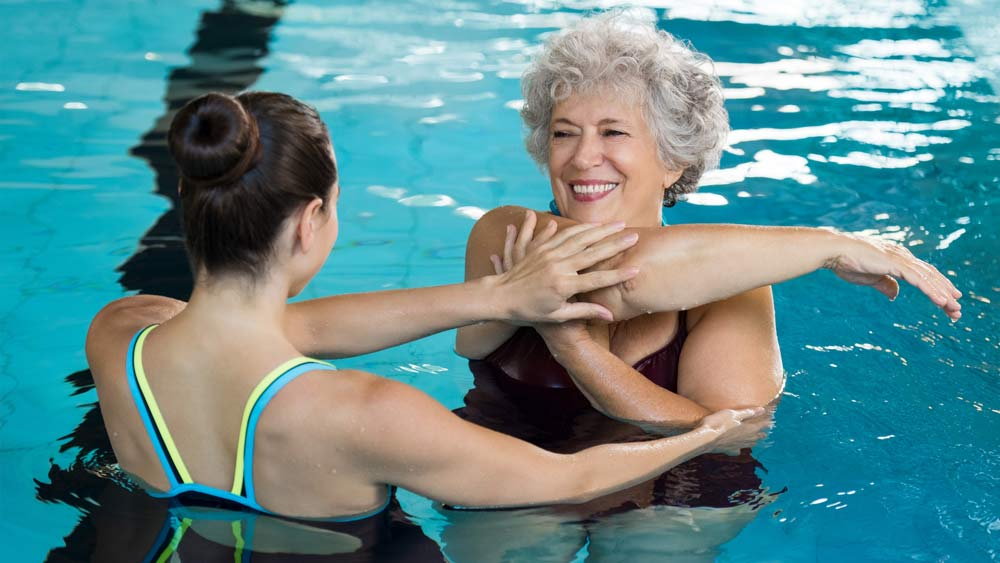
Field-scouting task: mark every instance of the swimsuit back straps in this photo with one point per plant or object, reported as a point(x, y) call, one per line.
point(242, 490)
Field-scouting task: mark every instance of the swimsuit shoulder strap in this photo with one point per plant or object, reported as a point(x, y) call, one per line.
point(258, 400)
point(149, 411)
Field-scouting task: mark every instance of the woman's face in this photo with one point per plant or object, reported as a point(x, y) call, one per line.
point(603, 161)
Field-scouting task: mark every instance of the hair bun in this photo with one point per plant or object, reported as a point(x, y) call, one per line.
point(214, 140)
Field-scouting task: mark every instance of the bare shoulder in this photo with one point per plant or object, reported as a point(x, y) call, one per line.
point(114, 325)
point(492, 225)
point(346, 395)
point(351, 407)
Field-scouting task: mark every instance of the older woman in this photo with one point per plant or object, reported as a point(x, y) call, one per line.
point(626, 119)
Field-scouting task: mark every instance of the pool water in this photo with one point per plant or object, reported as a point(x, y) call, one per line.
point(871, 117)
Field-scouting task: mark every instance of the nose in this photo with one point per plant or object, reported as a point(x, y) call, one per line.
point(589, 152)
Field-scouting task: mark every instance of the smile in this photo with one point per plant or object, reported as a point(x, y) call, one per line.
point(587, 191)
point(593, 188)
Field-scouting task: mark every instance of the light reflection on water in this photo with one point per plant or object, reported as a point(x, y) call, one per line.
point(873, 117)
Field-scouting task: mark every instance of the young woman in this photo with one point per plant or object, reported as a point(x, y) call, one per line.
point(218, 401)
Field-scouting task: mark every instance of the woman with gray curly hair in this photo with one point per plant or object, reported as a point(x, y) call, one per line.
point(626, 118)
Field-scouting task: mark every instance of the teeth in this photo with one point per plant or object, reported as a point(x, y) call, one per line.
point(594, 189)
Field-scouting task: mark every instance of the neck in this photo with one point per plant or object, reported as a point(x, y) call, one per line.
point(230, 301)
point(652, 218)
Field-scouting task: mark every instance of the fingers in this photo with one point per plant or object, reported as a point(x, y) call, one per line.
point(888, 286)
point(524, 236)
point(949, 294)
point(545, 235)
point(930, 283)
point(574, 239)
point(497, 264)
point(597, 280)
point(604, 249)
point(580, 311)
point(508, 247)
point(743, 414)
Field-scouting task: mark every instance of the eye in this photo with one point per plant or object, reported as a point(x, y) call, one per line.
point(613, 133)
point(561, 134)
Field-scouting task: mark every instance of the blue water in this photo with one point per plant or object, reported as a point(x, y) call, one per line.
point(874, 117)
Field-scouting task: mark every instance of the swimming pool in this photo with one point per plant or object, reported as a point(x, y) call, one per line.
point(874, 117)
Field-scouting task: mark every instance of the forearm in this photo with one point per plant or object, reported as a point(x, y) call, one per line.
point(476, 341)
point(684, 266)
point(620, 392)
point(354, 324)
point(612, 467)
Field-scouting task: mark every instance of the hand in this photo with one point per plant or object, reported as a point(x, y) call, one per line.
point(879, 264)
point(539, 274)
point(560, 336)
point(737, 429)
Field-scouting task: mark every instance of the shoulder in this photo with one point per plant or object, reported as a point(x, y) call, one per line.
point(494, 223)
point(488, 234)
point(349, 407)
point(115, 324)
point(347, 395)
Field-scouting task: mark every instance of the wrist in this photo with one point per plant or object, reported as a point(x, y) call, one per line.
point(833, 246)
point(487, 292)
point(562, 341)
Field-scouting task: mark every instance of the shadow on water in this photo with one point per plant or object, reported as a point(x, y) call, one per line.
point(120, 523)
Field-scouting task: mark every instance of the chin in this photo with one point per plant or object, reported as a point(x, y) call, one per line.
point(591, 214)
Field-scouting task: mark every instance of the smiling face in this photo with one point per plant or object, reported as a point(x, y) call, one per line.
point(603, 161)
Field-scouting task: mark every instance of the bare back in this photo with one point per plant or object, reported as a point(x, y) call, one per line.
point(201, 396)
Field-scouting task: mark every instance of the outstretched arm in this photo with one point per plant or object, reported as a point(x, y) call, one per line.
point(685, 266)
point(427, 449)
point(537, 289)
point(681, 267)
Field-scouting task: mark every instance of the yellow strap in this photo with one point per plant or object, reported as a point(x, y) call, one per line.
point(174, 541)
point(238, 535)
point(251, 401)
point(161, 425)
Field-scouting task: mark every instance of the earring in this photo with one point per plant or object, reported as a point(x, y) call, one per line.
point(669, 198)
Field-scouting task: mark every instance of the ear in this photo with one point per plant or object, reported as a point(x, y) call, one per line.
point(670, 177)
point(311, 218)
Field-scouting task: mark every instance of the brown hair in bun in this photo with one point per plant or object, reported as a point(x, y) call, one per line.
point(246, 163)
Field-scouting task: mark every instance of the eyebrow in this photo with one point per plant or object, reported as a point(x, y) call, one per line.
point(605, 121)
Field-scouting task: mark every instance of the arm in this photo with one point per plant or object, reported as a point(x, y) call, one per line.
point(536, 289)
point(615, 388)
point(684, 266)
point(730, 360)
point(731, 356)
point(426, 449)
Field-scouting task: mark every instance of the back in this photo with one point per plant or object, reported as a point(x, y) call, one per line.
point(209, 423)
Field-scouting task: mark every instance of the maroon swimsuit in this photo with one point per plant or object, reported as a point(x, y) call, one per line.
point(522, 391)
point(526, 358)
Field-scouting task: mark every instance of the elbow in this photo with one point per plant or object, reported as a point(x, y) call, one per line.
point(465, 346)
point(583, 486)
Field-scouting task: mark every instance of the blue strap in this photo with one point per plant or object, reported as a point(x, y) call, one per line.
point(143, 408)
point(258, 409)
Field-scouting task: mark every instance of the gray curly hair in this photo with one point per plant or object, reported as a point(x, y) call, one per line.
point(680, 95)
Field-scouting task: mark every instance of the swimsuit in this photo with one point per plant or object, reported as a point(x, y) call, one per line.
point(242, 492)
point(522, 391)
point(526, 358)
